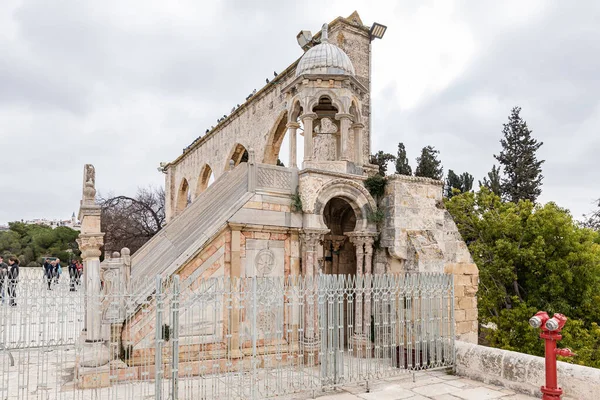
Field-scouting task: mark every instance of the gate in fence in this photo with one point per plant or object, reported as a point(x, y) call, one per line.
point(224, 338)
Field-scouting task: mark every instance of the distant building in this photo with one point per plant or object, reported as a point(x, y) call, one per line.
point(54, 223)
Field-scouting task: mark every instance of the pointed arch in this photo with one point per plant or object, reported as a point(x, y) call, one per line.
point(239, 153)
point(275, 138)
point(183, 196)
point(204, 179)
point(335, 100)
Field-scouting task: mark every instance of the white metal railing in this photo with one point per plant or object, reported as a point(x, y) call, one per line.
point(222, 338)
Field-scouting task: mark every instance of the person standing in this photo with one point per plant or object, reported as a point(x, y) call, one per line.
point(73, 274)
point(13, 275)
point(79, 271)
point(49, 271)
point(3, 276)
point(57, 270)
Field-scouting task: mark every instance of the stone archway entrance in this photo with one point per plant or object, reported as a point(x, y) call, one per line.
point(339, 256)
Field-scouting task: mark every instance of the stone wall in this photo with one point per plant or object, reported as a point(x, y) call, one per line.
point(421, 236)
point(259, 123)
point(524, 373)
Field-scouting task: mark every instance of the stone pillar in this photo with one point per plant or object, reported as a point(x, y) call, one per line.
point(90, 241)
point(292, 132)
point(337, 246)
point(345, 121)
point(307, 121)
point(310, 240)
point(327, 247)
point(466, 282)
point(358, 242)
point(369, 240)
point(358, 143)
point(235, 349)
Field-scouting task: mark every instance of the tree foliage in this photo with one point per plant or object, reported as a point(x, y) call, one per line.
point(428, 165)
point(530, 258)
point(592, 220)
point(492, 181)
point(30, 243)
point(522, 170)
point(381, 159)
point(402, 166)
point(456, 184)
point(132, 221)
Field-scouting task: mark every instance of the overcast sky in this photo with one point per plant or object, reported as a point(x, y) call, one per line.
point(125, 85)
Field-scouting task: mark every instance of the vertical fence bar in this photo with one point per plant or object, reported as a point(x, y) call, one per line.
point(254, 334)
point(175, 338)
point(158, 367)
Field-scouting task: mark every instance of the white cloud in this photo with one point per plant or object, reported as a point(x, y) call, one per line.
point(125, 85)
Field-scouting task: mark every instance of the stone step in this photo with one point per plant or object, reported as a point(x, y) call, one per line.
point(187, 233)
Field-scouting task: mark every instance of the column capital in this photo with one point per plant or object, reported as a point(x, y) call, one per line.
point(292, 125)
point(311, 116)
point(89, 244)
point(341, 116)
point(358, 125)
point(312, 237)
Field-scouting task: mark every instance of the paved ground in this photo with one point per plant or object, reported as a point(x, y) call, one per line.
point(437, 385)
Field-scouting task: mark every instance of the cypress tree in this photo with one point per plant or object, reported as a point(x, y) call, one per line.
point(492, 181)
point(428, 165)
point(381, 159)
point(462, 182)
point(402, 166)
point(522, 171)
point(452, 182)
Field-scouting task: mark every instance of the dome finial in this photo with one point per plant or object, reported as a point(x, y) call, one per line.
point(324, 36)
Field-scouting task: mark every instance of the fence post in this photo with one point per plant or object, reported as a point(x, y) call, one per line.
point(175, 339)
point(254, 334)
point(158, 367)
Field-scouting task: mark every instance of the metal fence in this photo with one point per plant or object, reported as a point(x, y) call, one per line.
point(226, 338)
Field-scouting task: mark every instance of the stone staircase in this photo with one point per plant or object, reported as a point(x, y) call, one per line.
point(186, 234)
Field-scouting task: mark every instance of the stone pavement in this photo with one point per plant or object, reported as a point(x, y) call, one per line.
point(436, 385)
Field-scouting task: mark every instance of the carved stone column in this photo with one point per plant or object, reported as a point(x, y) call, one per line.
point(90, 241)
point(358, 143)
point(310, 240)
point(292, 132)
point(338, 244)
point(345, 121)
point(327, 247)
point(307, 121)
point(358, 242)
point(369, 240)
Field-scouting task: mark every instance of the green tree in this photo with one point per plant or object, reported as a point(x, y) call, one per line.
point(531, 257)
point(492, 181)
point(522, 170)
point(30, 243)
point(381, 159)
point(402, 166)
point(428, 164)
point(456, 184)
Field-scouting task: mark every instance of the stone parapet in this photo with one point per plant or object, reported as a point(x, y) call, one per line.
point(523, 372)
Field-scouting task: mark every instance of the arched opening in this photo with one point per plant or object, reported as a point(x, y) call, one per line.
point(277, 148)
point(339, 255)
point(206, 178)
point(184, 197)
point(239, 154)
point(327, 144)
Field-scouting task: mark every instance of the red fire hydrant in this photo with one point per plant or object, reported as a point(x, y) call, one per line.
point(551, 328)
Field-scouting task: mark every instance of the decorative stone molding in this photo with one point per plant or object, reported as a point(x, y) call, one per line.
point(313, 237)
point(415, 179)
point(90, 243)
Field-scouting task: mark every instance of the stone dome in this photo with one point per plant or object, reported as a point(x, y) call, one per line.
point(325, 58)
